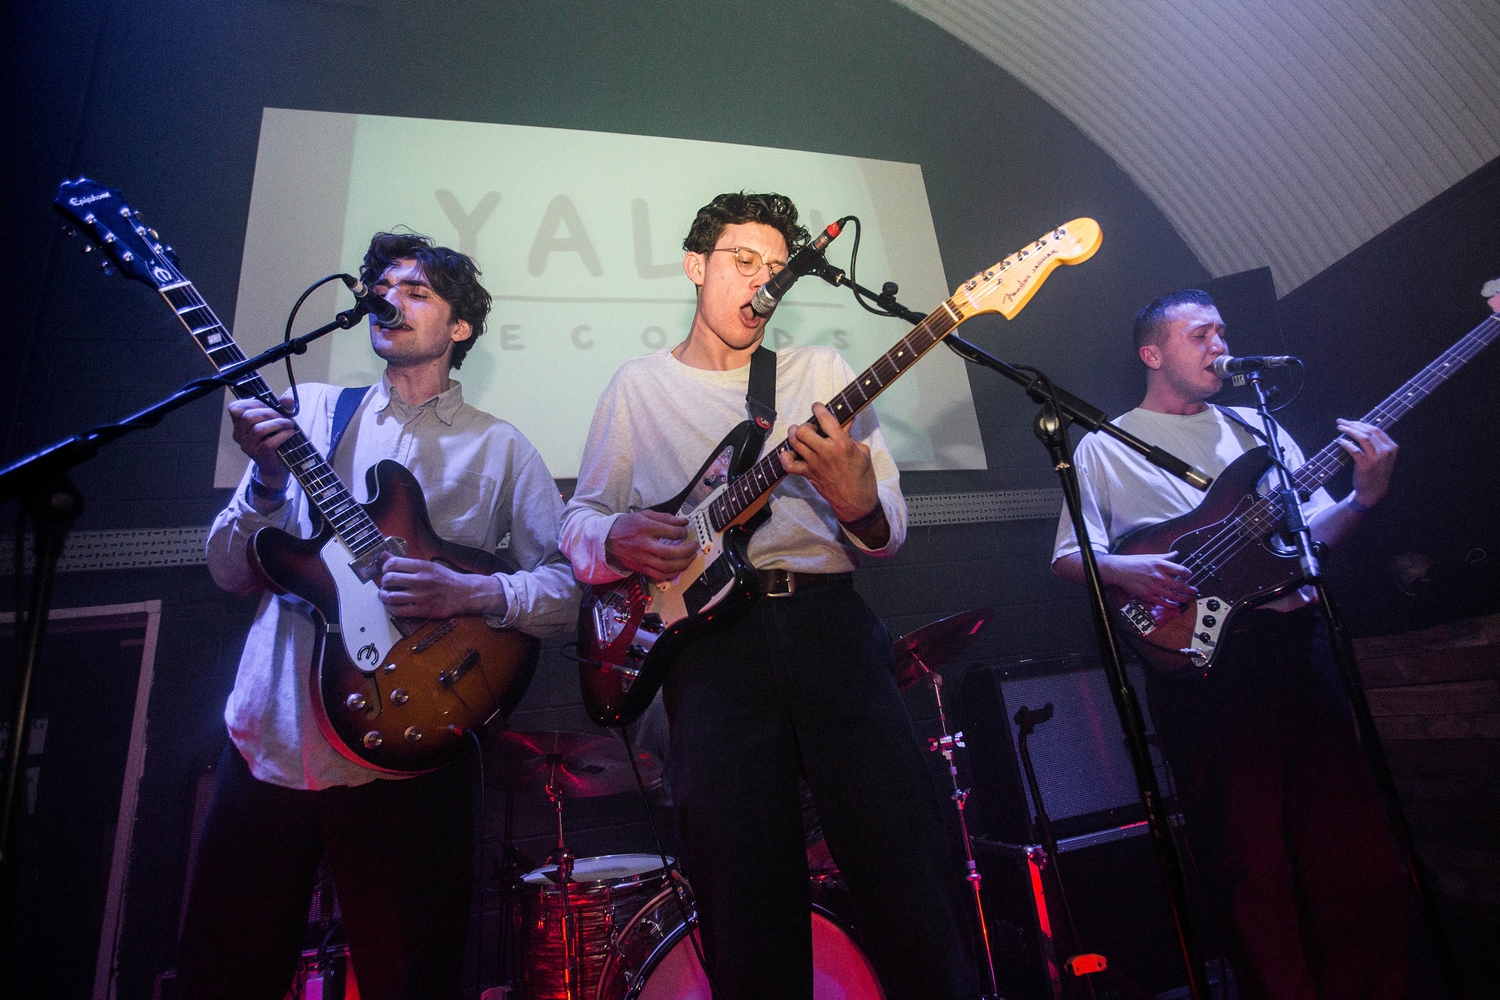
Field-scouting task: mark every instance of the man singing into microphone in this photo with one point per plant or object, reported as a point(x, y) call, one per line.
point(400, 850)
point(800, 681)
point(1282, 814)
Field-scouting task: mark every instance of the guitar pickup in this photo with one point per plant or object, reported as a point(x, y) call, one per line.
point(367, 566)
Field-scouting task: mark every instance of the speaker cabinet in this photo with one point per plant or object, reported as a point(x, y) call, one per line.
point(1081, 762)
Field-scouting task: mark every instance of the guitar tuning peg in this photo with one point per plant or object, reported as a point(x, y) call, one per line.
point(69, 229)
point(107, 267)
point(88, 248)
point(170, 254)
point(154, 234)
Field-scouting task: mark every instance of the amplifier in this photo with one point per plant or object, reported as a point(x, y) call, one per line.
point(1119, 909)
point(1080, 758)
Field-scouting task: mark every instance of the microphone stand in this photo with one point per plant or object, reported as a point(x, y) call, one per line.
point(40, 481)
point(1059, 410)
point(1342, 647)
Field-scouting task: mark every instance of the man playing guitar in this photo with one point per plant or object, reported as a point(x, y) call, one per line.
point(400, 851)
point(1282, 815)
point(796, 682)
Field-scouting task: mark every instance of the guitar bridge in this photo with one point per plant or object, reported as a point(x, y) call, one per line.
point(1139, 615)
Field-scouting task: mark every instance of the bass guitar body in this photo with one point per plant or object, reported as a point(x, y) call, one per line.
point(398, 695)
point(630, 630)
point(1185, 640)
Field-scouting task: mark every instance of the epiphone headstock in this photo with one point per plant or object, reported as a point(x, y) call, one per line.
point(100, 215)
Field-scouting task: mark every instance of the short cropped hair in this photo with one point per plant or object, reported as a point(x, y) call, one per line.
point(774, 210)
point(1149, 321)
point(452, 275)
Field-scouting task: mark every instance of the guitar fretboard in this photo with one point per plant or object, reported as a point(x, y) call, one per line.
point(763, 476)
point(1321, 467)
point(325, 491)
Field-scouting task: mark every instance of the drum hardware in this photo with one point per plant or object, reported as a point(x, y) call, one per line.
point(1080, 966)
point(918, 655)
point(563, 765)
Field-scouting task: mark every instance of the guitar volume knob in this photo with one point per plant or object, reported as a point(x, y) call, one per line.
point(373, 739)
point(413, 734)
point(355, 702)
point(399, 696)
point(1212, 604)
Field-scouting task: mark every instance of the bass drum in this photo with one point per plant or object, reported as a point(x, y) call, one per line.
point(652, 958)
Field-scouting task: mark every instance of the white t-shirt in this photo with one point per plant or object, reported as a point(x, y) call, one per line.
point(1122, 491)
point(656, 424)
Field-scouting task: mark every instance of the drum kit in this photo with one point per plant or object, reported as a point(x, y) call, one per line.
point(624, 926)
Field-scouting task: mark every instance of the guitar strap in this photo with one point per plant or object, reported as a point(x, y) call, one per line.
point(343, 412)
point(1233, 417)
point(760, 405)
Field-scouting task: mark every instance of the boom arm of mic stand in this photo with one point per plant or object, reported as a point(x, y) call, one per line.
point(1079, 412)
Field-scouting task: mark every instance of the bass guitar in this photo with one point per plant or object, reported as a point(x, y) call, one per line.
point(629, 631)
point(1233, 542)
point(397, 695)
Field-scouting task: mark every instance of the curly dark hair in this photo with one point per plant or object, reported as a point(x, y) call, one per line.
point(1148, 322)
point(452, 275)
point(774, 210)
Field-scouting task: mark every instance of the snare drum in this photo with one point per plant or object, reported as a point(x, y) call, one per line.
point(652, 958)
point(603, 896)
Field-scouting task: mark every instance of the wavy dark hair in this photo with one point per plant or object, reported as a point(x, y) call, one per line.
point(774, 210)
point(452, 275)
point(1149, 321)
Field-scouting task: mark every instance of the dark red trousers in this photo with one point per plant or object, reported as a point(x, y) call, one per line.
point(1283, 820)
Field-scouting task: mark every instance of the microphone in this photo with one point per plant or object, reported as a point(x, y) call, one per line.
point(1225, 366)
point(386, 313)
point(803, 261)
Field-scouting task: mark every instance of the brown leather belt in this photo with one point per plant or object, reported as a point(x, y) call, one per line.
point(785, 583)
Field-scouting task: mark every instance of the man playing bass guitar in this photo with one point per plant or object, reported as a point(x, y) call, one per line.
point(1282, 814)
point(400, 850)
point(796, 681)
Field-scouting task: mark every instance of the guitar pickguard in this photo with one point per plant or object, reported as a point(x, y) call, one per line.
point(365, 627)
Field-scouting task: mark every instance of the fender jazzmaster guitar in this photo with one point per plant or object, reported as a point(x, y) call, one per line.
point(1233, 542)
point(397, 695)
point(629, 630)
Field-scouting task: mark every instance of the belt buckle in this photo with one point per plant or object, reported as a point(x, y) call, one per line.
point(783, 583)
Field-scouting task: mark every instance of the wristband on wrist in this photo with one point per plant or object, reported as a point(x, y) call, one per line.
point(869, 520)
point(1355, 505)
point(260, 491)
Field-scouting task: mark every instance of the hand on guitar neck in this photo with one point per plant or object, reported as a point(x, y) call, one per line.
point(841, 470)
point(411, 588)
point(259, 431)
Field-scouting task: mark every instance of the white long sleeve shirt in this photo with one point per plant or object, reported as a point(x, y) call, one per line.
point(484, 484)
point(655, 426)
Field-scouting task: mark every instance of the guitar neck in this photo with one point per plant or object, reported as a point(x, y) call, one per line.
point(763, 476)
point(1321, 467)
point(325, 491)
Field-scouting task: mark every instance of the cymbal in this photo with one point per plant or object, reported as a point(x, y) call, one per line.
point(923, 650)
point(577, 765)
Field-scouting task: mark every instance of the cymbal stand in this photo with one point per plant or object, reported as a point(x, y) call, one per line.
point(563, 859)
point(944, 745)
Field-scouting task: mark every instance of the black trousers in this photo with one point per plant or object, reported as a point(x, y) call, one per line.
point(803, 685)
point(401, 852)
point(1283, 818)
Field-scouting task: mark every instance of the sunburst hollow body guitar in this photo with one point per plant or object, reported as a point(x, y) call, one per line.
point(393, 694)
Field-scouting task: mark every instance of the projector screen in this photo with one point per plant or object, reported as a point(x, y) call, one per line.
point(579, 238)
